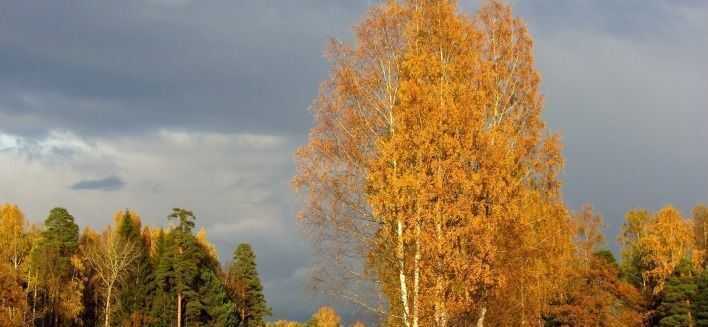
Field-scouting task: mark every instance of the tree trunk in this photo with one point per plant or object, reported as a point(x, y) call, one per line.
point(34, 304)
point(480, 320)
point(440, 309)
point(402, 274)
point(108, 306)
point(179, 309)
point(690, 319)
point(416, 275)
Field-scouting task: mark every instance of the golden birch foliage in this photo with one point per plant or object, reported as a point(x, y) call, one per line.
point(634, 230)
point(71, 296)
point(351, 113)
point(326, 317)
point(700, 232)
point(13, 304)
point(668, 241)
point(653, 244)
point(284, 323)
point(587, 228)
point(206, 245)
point(430, 172)
point(15, 243)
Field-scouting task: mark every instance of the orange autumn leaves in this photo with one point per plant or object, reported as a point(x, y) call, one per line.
point(429, 172)
point(656, 243)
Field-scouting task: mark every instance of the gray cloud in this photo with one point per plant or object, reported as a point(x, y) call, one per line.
point(110, 183)
point(95, 67)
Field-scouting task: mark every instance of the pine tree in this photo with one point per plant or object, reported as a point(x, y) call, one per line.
point(245, 288)
point(219, 310)
point(676, 306)
point(163, 302)
point(54, 261)
point(186, 255)
point(61, 232)
point(136, 291)
point(700, 303)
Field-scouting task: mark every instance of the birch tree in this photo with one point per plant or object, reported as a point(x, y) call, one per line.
point(700, 235)
point(429, 172)
point(111, 258)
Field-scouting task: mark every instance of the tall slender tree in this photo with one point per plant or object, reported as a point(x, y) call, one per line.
point(669, 241)
point(59, 269)
point(136, 289)
point(164, 297)
point(245, 288)
point(700, 232)
point(15, 246)
point(634, 232)
point(112, 258)
point(15, 243)
point(185, 255)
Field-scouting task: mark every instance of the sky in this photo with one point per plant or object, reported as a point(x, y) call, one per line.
point(155, 104)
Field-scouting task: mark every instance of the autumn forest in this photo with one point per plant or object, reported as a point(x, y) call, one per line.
point(430, 191)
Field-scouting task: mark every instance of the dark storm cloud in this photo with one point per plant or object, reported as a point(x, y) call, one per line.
point(110, 183)
point(101, 66)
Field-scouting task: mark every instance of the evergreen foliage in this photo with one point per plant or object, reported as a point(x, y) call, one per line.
point(245, 287)
point(163, 302)
point(676, 306)
point(700, 303)
point(139, 287)
point(218, 309)
point(61, 233)
point(186, 256)
point(51, 259)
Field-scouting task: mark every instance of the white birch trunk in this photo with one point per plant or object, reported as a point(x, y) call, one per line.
point(480, 320)
point(402, 274)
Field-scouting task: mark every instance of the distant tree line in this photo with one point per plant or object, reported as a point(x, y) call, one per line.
point(662, 279)
point(126, 275)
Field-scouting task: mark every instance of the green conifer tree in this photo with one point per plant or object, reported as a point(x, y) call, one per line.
point(186, 255)
point(675, 309)
point(701, 301)
point(137, 290)
point(245, 288)
point(51, 260)
point(219, 310)
point(163, 306)
point(61, 232)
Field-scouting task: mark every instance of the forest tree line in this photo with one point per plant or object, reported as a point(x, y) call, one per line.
point(126, 275)
point(432, 190)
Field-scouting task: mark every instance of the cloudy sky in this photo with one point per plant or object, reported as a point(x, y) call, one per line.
point(152, 104)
